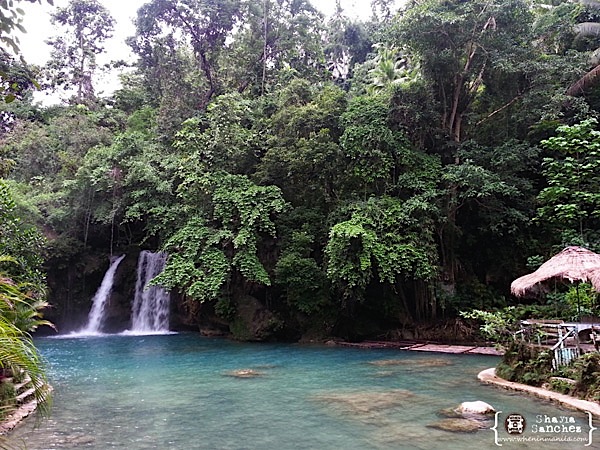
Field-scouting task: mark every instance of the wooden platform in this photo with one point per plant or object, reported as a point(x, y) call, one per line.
point(424, 347)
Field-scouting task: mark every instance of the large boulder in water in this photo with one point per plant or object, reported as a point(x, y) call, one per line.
point(477, 407)
point(468, 417)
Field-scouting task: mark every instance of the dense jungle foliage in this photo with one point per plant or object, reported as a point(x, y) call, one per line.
point(349, 176)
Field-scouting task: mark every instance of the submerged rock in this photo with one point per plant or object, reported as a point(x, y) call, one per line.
point(367, 402)
point(387, 362)
point(75, 441)
point(457, 425)
point(429, 362)
point(384, 373)
point(244, 373)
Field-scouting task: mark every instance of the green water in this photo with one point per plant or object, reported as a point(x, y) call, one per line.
point(177, 392)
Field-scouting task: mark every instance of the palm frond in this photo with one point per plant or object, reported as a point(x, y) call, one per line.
point(586, 30)
point(18, 353)
point(586, 82)
point(20, 313)
point(590, 3)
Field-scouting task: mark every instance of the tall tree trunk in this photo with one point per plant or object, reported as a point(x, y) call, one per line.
point(464, 93)
point(265, 36)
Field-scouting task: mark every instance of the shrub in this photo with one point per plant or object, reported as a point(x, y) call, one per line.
point(525, 363)
point(7, 397)
point(587, 374)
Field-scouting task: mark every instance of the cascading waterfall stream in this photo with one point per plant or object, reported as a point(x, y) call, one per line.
point(96, 315)
point(151, 304)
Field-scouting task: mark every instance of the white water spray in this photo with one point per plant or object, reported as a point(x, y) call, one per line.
point(150, 314)
point(96, 315)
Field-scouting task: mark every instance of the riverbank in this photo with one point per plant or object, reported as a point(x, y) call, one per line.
point(14, 418)
point(20, 413)
point(489, 376)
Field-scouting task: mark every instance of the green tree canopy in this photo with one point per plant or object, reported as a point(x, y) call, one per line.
point(87, 24)
point(571, 201)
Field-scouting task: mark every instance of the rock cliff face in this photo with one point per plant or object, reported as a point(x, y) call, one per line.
point(118, 310)
point(254, 322)
point(73, 283)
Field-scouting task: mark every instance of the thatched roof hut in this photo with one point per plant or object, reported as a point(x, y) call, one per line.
point(593, 276)
point(573, 264)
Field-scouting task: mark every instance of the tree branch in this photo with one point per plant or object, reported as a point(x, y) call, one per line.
point(502, 108)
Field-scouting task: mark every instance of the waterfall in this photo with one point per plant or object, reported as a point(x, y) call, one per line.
point(96, 315)
point(151, 304)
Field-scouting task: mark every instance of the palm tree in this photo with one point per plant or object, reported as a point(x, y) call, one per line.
point(587, 30)
point(391, 67)
point(22, 290)
point(19, 315)
point(19, 355)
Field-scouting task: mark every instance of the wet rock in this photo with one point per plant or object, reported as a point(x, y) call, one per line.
point(457, 425)
point(477, 407)
point(451, 413)
point(408, 335)
point(210, 331)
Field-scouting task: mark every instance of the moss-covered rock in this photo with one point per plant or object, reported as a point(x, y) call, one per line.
point(254, 322)
point(457, 425)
